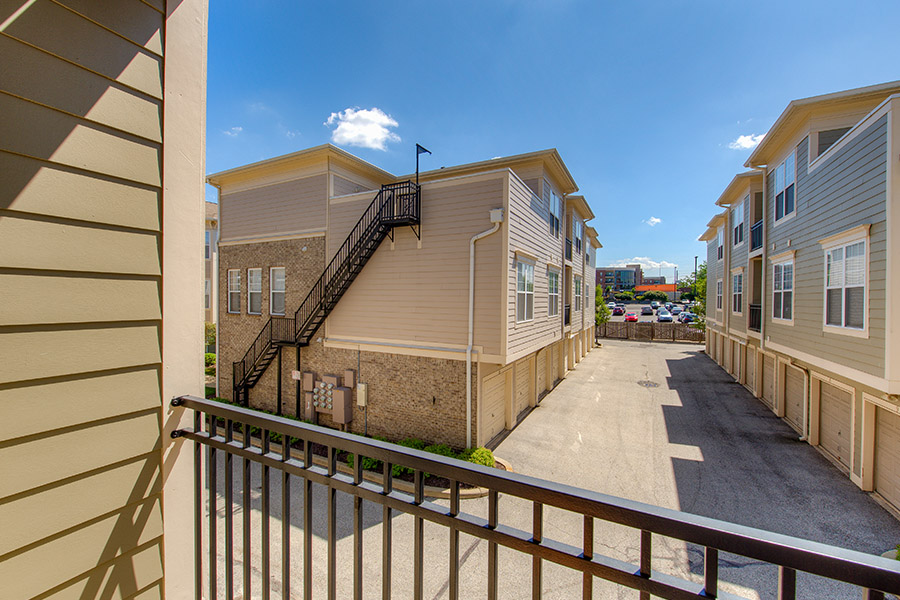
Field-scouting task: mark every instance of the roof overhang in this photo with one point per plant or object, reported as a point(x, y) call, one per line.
point(733, 190)
point(550, 159)
point(798, 111)
point(709, 234)
point(592, 234)
point(303, 158)
point(581, 205)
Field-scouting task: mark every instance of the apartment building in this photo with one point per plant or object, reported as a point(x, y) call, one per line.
point(620, 279)
point(801, 301)
point(455, 303)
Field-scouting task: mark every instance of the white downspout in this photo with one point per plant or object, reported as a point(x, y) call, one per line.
point(496, 219)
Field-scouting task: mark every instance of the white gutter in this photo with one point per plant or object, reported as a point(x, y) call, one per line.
point(496, 219)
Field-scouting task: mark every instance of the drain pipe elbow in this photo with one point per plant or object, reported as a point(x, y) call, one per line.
point(496, 219)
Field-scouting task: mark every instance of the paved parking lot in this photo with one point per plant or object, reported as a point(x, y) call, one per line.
point(659, 423)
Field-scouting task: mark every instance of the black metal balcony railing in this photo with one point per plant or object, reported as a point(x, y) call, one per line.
point(756, 235)
point(567, 317)
point(755, 318)
point(568, 249)
point(789, 554)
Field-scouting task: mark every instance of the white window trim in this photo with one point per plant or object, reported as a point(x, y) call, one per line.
point(272, 291)
point(720, 235)
point(230, 291)
point(555, 228)
point(734, 225)
point(734, 272)
point(720, 294)
point(556, 271)
point(576, 293)
point(843, 239)
point(207, 294)
point(782, 262)
point(775, 221)
point(249, 291)
point(530, 263)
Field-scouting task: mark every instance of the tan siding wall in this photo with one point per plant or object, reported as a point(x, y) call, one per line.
point(275, 209)
point(80, 295)
point(529, 232)
point(421, 294)
point(341, 186)
point(343, 215)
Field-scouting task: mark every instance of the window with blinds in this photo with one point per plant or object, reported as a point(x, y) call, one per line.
point(845, 286)
point(553, 286)
point(524, 292)
point(254, 291)
point(276, 291)
point(234, 291)
point(783, 293)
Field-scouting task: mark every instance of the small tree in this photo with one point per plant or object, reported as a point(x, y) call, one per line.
point(210, 335)
point(624, 296)
point(655, 295)
point(601, 312)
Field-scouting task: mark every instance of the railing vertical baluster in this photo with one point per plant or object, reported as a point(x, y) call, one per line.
point(646, 558)
point(711, 571)
point(454, 541)
point(587, 580)
point(332, 526)
point(307, 523)
point(198, 508)
point(245, 507)
point(266, 575)
point(213, 485)
point(285, 519)
point(357, 532)
point(537, 534)
point(493, 588)
point(387, 488)
point(229, 514)
point(418, 538)
point(787, 583)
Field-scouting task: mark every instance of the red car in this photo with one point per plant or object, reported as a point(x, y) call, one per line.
point(632, 317)
point(618, 310)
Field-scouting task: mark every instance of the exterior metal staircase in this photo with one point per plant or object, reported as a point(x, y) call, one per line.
point(397, 204)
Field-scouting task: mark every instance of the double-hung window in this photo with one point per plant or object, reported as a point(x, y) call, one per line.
point(720, 244)
point(737, 293)
point(577, 292)
point(737, 224)
point(553, 287)
point(783, 291)
point(845, 286)
point(234, 291)
point(206, 294)
point(276, 291)
point(524, 292)
point(206, 244)
point(254, 291)
point(784, 187)
point(555, 212)
point(719, 294)
point(577, 232)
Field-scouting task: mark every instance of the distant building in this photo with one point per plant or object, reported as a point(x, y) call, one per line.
point(667, 288)
point(620, 279)
point(661, 280)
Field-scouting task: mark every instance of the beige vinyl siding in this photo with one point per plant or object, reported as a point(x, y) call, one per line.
point(407, 293)
point(739, 259)
point(80, 303)
point(529, 232)
point(846, 191)
point(343, 215)
point(275, 209)
point(341, 186)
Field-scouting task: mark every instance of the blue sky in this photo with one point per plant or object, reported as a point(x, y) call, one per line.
point(643, 99)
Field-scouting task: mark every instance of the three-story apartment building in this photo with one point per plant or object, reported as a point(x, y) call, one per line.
point(802, 279)
point(456, 302)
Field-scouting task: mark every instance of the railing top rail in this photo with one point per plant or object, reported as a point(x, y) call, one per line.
point(804, 555)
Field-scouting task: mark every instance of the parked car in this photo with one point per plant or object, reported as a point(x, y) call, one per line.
point(669, 306)
point(687, 317)
point(646, 310)
point(654, 304)
point(618, 310)
point(631, 318)
point(610, 305)
point(663, 316)
point(675, 310)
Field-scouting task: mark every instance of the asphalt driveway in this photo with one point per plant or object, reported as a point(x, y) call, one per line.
point(661, 423)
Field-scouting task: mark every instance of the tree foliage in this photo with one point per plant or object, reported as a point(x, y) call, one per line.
point(655, 295)
point(601, 312)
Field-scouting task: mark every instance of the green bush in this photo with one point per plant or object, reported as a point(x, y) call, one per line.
point(478, 456)
point(209, 359)
point(441, 449)
point(368, 464)
point(414, 443)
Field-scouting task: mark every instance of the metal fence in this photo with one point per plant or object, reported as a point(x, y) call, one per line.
point(222, 431)
point(651, 331)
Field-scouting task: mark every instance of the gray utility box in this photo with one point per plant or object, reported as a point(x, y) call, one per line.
point(328, 396)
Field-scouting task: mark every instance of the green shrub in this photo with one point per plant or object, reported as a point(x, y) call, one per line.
point(441, 449)
point(478, 456)
point(209, 359)
point(415, 444)
point(368, 464)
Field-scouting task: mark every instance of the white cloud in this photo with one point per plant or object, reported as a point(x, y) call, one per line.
point(652, 221)
point(368, 128)
point(746, 142)
point(233, 132)
point(646, 263)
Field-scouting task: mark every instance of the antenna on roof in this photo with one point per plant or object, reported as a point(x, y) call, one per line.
point(419, 150)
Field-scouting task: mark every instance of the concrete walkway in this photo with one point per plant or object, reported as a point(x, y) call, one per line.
point(661, 423)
